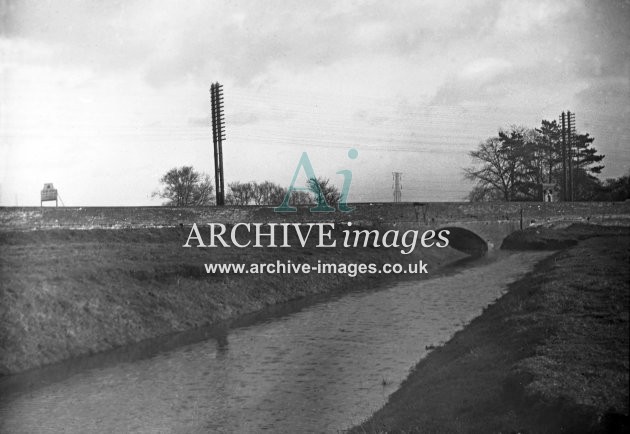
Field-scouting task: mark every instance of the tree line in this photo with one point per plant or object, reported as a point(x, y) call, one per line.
point(511, 166)
point(184, 186)
point(514, 165)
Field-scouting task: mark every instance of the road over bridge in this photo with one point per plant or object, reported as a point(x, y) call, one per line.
point(473, 226)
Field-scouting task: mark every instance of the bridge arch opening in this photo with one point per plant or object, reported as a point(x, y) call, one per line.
point(466, 241)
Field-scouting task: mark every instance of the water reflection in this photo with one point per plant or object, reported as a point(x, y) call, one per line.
point(222, 343)
point(322, 367)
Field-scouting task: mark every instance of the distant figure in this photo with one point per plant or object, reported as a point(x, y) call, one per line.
point(549, 196)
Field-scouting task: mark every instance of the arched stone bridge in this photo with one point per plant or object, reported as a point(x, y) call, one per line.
point(474, 227)
point(477, 227)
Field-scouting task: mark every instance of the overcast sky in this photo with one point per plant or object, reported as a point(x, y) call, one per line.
point(102, 98)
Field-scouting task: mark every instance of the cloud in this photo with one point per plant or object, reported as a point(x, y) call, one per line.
point(486, 79)
point(241, 39)
point(120, 76)
point(521, 17)
point(484, 69)
point(203, 121)
point(244, 118)
point(604, 110)
point(602, 39)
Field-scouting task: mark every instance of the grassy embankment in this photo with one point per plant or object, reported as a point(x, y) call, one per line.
point(550, 356)
point(65, 293)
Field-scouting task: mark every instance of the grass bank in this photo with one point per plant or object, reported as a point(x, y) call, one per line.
point(66, 293)
point(550, 356)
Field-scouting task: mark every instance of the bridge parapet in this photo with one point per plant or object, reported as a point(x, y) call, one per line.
point(430, 214)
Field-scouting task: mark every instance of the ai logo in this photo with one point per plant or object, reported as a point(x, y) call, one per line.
point(322, 204)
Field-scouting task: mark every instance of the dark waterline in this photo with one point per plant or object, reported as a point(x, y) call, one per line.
point(32, 379)
point(297, 360)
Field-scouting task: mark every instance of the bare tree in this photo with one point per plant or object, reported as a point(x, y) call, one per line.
point(496, 172)
point(515, 164)
point(483, 194)
point(268, 193)
point(241, 193)
point(183, 186)
point(324, 191)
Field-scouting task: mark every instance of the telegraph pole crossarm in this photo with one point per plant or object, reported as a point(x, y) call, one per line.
point(218, 135)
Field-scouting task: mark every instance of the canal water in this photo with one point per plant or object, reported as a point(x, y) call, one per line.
point(319, 367)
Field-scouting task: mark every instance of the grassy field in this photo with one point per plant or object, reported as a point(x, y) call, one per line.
point(550, 356)
point(65, 293)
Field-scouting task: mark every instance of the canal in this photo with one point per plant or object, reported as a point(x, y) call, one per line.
point(320, 365)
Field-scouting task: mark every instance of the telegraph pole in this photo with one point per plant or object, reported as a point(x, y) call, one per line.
point(218, 135)
point(564, 159)
point(397, 186)
point(570, 136)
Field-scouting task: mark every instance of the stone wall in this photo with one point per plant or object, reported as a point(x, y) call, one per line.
point(423, 214)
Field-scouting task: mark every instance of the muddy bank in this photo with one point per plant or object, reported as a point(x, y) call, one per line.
point(66, 293)
point(550, 356)
point(548, 238)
